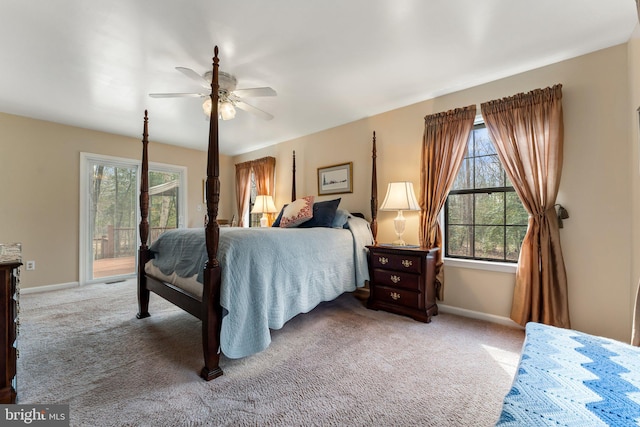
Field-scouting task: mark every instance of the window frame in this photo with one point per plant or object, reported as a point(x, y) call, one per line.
point(479, 262)
point(85, 258)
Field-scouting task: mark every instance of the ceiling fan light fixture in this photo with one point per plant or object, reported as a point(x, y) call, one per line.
point(206, 107)
point(226, 109)
point(228, 97)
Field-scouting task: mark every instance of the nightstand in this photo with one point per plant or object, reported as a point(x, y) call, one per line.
point(402, 281)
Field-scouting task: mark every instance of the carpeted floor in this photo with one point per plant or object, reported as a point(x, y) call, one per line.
point(340, 364)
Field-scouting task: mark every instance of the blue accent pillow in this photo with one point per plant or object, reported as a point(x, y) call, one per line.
point(340, 220)
point(323, 214)
point(276, 223)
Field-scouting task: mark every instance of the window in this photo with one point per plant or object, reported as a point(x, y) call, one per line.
point(254, 219)
point(484, 218)
point(164, 201)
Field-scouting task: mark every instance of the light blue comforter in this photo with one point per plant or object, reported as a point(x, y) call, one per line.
point(269, 275)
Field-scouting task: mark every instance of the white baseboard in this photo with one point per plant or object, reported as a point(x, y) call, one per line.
point(47, 288)
point(478, 315)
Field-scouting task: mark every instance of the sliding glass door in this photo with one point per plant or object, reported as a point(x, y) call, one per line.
point(110, 213)
point(110, 217)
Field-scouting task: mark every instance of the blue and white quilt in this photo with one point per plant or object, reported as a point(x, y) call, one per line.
point(569, 378)
point(270, 274)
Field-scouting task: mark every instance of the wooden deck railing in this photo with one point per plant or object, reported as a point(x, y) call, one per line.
point(121, 242)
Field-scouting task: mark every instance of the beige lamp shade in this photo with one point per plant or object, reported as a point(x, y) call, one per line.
point(400, 197)
point(264, 205)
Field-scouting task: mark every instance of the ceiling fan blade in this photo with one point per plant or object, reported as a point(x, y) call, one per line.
point(255, 91)
point(195, 77)
point(177, 95)
point(253, 110)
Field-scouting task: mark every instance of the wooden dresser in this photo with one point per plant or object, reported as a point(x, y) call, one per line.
point(9, 289)
point(402, 281)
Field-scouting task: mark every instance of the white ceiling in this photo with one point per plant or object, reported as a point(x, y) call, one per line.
point(92, 63)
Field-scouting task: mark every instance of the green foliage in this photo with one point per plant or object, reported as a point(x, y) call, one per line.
point(114, 201)
point(116, 198)
point(485, 218)
point(163, 208)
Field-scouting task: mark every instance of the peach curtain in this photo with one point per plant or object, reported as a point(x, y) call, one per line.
point(243, 188)
point(264, 170)
point(528, 133)
point(444, 144)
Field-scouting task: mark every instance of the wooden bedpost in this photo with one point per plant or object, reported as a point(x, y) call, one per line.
point(293, 186)
point(143, 252)
point(374, 193)
point(211, 310)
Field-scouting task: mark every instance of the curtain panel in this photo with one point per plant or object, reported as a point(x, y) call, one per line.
point(243, 188)
point(264, 172)
point(444, 145)
point(528, 133)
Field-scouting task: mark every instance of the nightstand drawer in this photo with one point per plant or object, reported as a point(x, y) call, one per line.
point(397, 296)
point(402, 281)
point(396, 279)
point(397, 262)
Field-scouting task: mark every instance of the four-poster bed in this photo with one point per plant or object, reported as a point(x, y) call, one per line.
point(239, 306)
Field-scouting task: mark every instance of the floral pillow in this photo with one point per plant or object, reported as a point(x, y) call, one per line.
point(297, 212)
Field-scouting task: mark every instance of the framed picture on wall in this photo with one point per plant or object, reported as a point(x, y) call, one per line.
point(335, 179)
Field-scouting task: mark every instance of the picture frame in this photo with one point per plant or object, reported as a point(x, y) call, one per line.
point(335, 179)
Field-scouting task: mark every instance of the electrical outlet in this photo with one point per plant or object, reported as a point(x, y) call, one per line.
point(31, 265)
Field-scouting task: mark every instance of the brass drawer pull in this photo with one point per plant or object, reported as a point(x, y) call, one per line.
point(395, 279)
point(407, 263)
point(382, 260)
point(395, 295)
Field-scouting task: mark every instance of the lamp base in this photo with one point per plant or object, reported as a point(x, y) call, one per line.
point(398, 224)
point(264, 221)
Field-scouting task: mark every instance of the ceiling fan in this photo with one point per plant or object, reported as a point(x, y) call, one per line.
point(230, 98)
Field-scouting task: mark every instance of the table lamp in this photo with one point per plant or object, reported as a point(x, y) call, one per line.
point(400, 197)
point(264, 205)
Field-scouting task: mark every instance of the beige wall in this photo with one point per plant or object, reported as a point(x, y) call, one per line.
point(39, 176)
point(595, 188)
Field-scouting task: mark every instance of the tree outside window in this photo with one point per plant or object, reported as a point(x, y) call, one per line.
point(484, 218)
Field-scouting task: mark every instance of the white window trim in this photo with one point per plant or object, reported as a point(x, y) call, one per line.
point(503, 267)
point(184, 191)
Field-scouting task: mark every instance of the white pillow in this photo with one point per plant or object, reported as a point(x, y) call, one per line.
point(297, 212)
